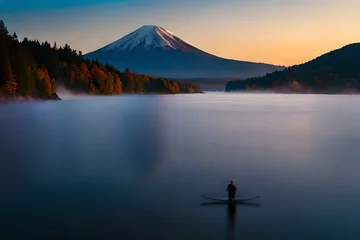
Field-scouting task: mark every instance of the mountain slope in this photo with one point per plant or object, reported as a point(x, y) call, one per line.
point(335, 72)
point(155, 51)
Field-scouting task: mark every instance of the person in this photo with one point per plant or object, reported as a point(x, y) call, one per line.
point(231, 191)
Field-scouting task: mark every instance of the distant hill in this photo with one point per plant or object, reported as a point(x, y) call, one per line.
point(156, 51)
point(335, 72)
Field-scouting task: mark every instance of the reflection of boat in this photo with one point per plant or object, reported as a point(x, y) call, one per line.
point(231, 211)
point(251, 204)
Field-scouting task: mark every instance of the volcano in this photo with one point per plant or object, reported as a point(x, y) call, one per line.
point(155, 51)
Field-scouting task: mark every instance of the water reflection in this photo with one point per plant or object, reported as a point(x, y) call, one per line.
point(144, 157)
point(231, 220)
point(232, 215)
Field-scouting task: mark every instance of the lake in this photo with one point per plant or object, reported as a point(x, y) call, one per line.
point(136, 166)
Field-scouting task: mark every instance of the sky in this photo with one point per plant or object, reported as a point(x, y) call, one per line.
point(281, 32)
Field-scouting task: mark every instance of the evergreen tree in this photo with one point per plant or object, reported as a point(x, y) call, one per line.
point(3, 30)
point(67, 47)
point(6, 73)
point(30, 84)
point(14, 37)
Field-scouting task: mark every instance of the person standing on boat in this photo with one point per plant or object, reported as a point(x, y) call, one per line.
point(231, 191)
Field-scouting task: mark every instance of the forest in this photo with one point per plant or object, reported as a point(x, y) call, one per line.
point(32, 70)
point(332, 73)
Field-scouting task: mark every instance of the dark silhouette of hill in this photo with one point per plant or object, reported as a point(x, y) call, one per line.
point(335, 72)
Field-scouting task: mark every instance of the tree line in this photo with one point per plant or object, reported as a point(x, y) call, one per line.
point(32, 69)
point(335, 72)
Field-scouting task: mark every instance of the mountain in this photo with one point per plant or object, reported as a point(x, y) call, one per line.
point(155, 51)
point(30, 70)
point(335, 72)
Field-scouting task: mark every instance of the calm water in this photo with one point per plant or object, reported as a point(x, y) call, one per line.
point(135, 167)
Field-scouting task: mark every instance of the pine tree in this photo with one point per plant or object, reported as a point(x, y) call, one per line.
point(46, 44)
point(19, 61)
point(6, 73)
point(30, 84)
point(67, 47)
point(3, 30)
point(107, 66)
point(14, 37)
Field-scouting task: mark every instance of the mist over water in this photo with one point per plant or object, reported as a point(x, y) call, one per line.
point(136, 166)
point(66, 94)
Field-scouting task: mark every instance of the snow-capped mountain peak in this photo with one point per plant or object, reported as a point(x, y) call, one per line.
point(156, 51)
point(147, 37)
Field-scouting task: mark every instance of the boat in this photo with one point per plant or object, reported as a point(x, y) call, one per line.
point(226, 200)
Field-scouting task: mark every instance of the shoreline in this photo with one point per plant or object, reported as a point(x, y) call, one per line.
point(6, 99)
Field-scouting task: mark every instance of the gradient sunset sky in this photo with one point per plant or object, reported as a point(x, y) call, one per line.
point(282, 32)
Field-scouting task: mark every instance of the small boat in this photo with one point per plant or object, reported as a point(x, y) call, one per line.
point(226, 200)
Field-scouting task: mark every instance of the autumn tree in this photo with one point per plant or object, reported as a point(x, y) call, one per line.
point(53, 85)
point(109, 84)
point(85, 74)
point(43, 82)
point(99, 77)
point(117, 84)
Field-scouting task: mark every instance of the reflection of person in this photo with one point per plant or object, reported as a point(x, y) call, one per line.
point(231, 191)
point(231, 221)
point(231, 214)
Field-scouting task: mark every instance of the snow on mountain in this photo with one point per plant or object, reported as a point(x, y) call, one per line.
point(148, 36)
